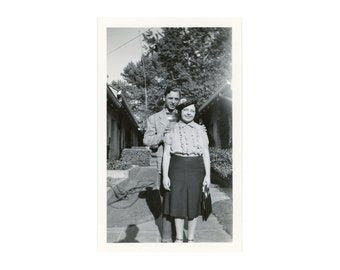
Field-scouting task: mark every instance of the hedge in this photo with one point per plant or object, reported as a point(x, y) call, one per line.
point(118, 164)
point(221, 162)
point(137, 156)
point(130, 156)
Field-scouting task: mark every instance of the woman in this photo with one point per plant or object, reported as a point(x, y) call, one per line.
point(186, 169)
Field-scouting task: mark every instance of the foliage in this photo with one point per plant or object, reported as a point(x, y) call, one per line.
point(221, 162)
point(137, 156)
point(134, 97)
point(130, 156)
point(196, 60)
point(223, 211)
point(119, 164)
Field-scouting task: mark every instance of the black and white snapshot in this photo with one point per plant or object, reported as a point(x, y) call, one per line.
point(169, 135)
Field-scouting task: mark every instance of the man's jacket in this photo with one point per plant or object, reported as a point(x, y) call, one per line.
point(153, 135)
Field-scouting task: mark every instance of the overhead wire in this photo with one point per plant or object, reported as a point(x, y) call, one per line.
point(127, 42)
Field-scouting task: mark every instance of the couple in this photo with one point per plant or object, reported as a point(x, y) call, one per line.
point(183, 163)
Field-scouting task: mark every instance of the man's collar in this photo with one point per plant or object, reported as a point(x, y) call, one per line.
point(168, 112)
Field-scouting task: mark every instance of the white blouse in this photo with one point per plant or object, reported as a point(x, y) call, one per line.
point(188, 139)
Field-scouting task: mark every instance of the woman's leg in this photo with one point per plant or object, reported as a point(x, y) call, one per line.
point(179, 224)
point(191, 229)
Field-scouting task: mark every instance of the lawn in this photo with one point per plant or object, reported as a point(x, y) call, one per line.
point(223, 211)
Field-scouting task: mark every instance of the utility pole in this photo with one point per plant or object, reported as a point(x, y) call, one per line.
point(145, 92)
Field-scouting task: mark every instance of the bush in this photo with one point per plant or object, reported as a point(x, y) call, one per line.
point(119, 164)
point(130, 156)
point(137, 156)
point(221, 162)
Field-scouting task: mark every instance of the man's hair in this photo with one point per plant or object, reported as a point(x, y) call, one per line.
point(169, 89)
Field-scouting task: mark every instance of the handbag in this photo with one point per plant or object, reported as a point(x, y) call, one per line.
point(206, 207)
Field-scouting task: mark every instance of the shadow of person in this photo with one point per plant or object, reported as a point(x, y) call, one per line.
point(153, 201)
point(131, 233)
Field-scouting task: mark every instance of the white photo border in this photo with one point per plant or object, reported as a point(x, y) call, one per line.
point(236, 84)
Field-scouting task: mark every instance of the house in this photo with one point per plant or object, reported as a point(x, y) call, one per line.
point(216, 115)
point(122, 127)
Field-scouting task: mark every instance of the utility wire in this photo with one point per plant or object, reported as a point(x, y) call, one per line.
point(127, 42)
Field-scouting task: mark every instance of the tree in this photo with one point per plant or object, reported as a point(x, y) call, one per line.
point(196, 60)
point(153, 81)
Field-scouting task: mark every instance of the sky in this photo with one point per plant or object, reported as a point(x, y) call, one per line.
point(123, 46)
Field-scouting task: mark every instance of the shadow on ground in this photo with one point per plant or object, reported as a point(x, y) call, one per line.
point(131, 233)
point(153, 201)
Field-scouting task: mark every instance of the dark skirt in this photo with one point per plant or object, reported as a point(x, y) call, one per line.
point(186, 175)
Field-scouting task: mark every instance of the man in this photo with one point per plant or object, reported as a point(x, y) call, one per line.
point(158, 125)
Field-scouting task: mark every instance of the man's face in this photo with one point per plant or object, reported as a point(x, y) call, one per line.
point(171, 100)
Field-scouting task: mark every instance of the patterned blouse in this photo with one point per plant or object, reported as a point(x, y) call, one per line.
point(188, 139)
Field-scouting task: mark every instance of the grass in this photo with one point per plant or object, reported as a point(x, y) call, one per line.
point(223, 211)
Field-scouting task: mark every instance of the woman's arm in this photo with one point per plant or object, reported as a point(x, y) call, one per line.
point(206, 155)
point(166, 162)
point(206, 160)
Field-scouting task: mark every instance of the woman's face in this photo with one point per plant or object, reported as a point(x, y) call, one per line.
point(188, 113)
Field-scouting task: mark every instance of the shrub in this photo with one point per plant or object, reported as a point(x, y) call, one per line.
point(130, 156)
point(137, 156)
point(221, 162)
point(119, 164)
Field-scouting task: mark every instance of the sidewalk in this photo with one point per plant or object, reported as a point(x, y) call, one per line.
point(145, 229)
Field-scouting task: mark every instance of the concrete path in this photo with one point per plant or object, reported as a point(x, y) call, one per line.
point(148, 232)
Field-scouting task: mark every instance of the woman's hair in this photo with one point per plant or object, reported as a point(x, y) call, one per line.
point(185, 104)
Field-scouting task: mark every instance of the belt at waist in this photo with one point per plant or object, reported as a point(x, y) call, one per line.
point(186, 155)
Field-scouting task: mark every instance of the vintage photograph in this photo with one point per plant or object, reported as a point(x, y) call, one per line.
point(169, 137)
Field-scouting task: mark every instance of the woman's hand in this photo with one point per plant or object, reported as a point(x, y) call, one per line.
point(206, 181)
point(166, 182)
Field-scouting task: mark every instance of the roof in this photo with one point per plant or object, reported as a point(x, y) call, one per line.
point(121, 103)
point(224, 92)
point(113, 96)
